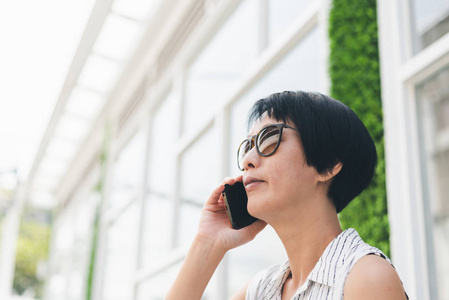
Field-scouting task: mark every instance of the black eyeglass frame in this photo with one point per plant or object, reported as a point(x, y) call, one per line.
point(252, 141)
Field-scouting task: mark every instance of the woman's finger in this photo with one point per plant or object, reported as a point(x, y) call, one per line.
point(229, 180)
point(215, 195)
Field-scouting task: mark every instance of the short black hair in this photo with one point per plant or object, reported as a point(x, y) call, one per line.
point(330, 133)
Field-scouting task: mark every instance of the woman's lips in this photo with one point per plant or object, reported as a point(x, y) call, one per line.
point(251, 182)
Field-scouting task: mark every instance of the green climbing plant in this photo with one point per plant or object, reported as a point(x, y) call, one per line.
point(355, 78)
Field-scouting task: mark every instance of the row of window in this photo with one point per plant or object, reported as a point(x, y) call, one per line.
point(178, 181)
point(154, 204)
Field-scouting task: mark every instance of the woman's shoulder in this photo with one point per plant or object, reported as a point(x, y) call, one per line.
point(367, 272)
point(373, 277)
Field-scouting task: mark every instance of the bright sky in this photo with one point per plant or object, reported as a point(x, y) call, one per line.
point(38, 40)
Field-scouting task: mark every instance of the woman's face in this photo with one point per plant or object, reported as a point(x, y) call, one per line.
point(280, 184)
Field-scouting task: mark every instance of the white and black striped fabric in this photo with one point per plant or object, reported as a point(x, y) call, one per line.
point(327, 279)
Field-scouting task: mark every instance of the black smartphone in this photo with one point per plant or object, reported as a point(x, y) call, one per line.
point(236, 201)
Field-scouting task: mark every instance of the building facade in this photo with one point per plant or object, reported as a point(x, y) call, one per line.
point(414, 47)
point(170, 120)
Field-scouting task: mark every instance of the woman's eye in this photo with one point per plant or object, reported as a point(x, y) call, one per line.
point(247, 147)
point(268, 144)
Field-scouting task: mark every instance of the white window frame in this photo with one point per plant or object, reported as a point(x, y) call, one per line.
point(401, 71)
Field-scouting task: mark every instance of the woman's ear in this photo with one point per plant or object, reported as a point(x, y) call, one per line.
point(330, 174)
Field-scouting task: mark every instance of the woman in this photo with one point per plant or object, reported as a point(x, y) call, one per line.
point(306, 158)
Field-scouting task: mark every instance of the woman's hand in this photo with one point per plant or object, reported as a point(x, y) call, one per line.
point(214, 238)
point(215, 226)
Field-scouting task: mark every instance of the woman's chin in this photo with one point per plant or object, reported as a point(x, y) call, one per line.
point(255, 209)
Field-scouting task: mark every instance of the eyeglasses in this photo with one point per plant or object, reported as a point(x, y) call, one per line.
point(266, 141)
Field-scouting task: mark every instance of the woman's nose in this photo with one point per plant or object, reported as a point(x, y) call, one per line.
point(251, 159)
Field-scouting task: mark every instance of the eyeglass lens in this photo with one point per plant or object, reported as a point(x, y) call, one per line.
point(266, 143)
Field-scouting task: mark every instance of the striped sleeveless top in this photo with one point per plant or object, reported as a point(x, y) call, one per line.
point(327, 279)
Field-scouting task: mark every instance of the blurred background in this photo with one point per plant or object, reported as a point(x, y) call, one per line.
point(118, 117)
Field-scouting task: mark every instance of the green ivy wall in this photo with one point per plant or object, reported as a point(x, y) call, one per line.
point(355, 78)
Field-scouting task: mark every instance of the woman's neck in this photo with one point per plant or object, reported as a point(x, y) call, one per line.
point(306, 236)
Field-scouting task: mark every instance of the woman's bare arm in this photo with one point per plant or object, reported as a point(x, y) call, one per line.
point(214, 238)
point(196, 271)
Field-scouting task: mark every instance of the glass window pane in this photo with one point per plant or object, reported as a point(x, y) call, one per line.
point(199, 167)
point(157, 235)
point(84, 218)
point(158, 221)
point(298, 70)
point(164, 135)
point(220, 65)
point(433, 99)
point(431, 20)
point(281, 14)
point(157, 287)
point(188, 226)
point(128, 171)
point(246, 261)
point(121, 252)
point(199, 176)
point(72, 248)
